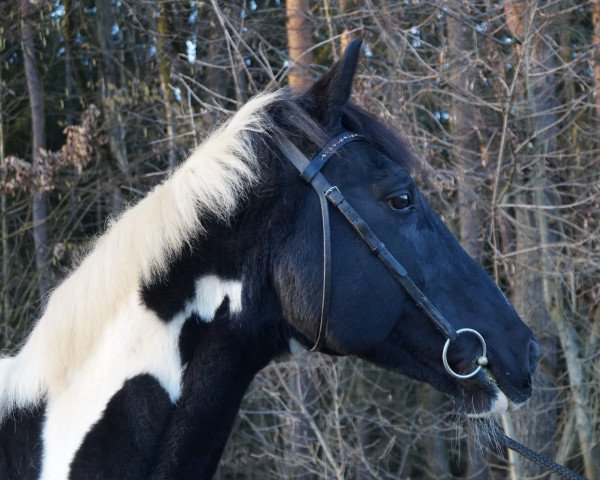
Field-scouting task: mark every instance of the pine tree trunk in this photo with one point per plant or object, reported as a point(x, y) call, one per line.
point(36, 102)
point(299, 34)
point(299, 46)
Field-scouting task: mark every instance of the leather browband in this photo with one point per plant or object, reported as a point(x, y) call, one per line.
point(321, 158)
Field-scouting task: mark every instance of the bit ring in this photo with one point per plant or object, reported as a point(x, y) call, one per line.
point(480, 363)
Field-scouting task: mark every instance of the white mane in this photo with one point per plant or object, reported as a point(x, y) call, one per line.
point(135, 248)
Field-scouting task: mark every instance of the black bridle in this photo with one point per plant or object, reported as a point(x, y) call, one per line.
point(310, 172)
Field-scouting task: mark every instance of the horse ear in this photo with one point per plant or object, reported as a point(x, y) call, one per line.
point(332, 91)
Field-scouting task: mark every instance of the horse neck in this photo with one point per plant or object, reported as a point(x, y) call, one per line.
point(223, 353)
point(221, 362)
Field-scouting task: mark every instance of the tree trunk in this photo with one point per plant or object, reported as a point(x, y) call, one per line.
point(299, 34)
point(303, 448)
point(36, 102)
point(579, 388)
point(347, 35)
point(164, 69)
point(5, 246)
point(536, 423)
point(66, 31)
point(110, 97)
point(465, 143)
point(434, 445)
point(216, 82)
point(596, 52)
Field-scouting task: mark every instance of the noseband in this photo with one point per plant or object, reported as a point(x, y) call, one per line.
point(310, 172)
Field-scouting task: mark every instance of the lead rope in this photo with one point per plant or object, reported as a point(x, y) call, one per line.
point(310, 173)
point(534, 456)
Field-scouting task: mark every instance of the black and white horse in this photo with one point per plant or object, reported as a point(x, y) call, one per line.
point(140, 361)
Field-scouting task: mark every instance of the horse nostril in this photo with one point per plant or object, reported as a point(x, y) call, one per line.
point(535, 353)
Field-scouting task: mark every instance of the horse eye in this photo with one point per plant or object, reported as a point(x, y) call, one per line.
point(400, 202)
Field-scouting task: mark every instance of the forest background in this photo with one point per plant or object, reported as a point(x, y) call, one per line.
point(99, 100)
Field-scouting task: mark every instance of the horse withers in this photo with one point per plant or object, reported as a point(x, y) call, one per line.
point(139, 363)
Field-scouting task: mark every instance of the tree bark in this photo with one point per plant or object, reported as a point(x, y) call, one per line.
point(164, 69)
point(347, 35)
point(536, 423)
point(434, 445)
point(465, 141)
point(596, 52)
point(303, 448)
point(109, 94)
point(465, 148)
point(5, 246)
point(215, 80)
point(36, 102)
point(299, 34)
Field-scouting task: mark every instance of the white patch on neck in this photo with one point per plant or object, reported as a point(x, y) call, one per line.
point(137, 342)
point(210, 294)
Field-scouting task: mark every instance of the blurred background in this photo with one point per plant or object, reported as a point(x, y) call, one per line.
point(100, 100)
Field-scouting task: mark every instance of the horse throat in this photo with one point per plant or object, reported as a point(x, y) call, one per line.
point(222, 363)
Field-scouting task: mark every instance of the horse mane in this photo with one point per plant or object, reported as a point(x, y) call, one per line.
point(136, 247)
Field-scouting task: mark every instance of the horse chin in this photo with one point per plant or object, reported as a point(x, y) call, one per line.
point(498, 406)
point(486, 398)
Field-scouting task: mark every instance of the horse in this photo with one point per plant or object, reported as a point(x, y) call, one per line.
point(139, 363)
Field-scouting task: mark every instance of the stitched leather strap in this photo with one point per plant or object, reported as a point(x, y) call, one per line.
point(321, 158)
point(377, 247)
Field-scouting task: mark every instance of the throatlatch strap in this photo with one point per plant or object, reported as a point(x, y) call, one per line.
point(326, 292)
point(309, 172)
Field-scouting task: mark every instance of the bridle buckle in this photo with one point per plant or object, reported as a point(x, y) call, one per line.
point(334, 195)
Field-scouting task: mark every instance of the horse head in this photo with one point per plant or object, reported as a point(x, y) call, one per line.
point(370, 315)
